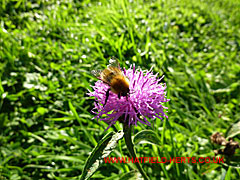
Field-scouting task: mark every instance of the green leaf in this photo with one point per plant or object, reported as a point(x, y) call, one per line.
point(234, 130)
point(208, 167)
point(224, 172)
point(232, 162)
point(102, 150)
point(42, 110)
point(67, 118)
point(59, 157)
point(131, 175)
point(73, 110)
point(146, 136)
point(228, 175)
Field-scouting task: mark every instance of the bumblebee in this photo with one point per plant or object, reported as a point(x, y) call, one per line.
point(114, 78)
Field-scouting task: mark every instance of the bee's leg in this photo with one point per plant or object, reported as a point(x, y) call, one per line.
point(127, 97)
point(107, 95)
point(119, 95)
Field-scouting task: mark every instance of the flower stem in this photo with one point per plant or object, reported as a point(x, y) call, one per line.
point(130, 147)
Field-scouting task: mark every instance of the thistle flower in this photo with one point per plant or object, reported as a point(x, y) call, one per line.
point(145, 99)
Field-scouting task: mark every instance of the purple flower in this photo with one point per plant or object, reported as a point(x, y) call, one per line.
point(145, 99)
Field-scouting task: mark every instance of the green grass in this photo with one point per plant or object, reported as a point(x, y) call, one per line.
point(47, 50)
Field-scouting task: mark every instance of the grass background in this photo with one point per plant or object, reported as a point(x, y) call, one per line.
point(48, 48)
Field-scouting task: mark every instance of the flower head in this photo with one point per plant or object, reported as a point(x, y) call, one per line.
point(145, 99)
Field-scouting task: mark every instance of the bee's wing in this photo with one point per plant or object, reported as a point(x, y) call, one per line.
point(100, 75)
point(96, 73)
point(113, 62)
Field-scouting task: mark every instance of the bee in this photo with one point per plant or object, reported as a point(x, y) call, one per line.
point(113, 76)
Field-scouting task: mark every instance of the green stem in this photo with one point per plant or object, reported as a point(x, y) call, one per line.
point(130, 146)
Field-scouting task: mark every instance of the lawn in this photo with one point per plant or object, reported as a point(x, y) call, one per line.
point(48, 50)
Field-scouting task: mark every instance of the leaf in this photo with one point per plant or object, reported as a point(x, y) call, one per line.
point(234, 130)
point(102, 150)
point(232, 161)
point(59, 157)
point(208, 167)
point(228, 175)
point(224, 172)
point(146, 136)
point(131, 175)
point(65, 119)
point(73, 110)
